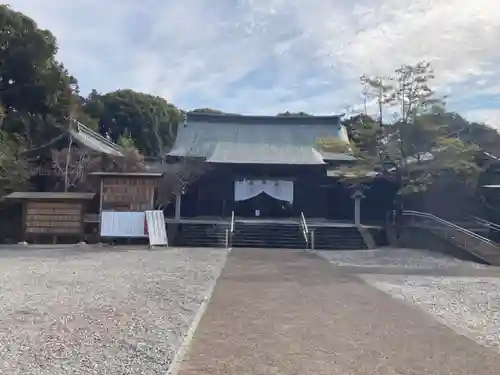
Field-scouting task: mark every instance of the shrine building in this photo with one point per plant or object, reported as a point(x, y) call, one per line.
point(270, 170)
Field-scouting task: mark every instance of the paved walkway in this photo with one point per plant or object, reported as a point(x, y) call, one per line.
point(286, 312)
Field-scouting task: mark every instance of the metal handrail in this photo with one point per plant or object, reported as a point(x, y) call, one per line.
point(473, 243)
point(304, 223)
point(486, 223)
point(447, 223)
point(232, 222)
point(230, 232)
point(305, 230)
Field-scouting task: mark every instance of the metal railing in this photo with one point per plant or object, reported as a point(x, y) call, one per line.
point(230, 232)
point(305, 230)
point(486, 223)
point(472, 242)
point(232, 222)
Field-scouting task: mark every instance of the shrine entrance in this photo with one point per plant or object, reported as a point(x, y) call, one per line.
point(263, 198)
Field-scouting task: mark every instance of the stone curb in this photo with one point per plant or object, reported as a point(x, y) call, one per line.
point(181, 352)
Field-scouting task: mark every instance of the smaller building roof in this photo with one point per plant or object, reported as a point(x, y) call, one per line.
point(83, 136)
point(94, 141)
point(32, 195)
point(128, 174)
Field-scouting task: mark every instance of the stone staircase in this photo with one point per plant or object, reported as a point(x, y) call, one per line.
point(268, 235)
point(201, 235)
point(337, 238)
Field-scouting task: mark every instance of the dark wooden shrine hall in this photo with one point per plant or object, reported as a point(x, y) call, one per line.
point(270, 167)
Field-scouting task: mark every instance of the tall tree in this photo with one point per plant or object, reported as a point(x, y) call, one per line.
point(36, 92)
point(415, 148)
point(14, 172)
point(149, 120)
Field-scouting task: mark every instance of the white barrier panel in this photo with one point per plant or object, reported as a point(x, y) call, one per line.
point(156, 228)
point(123, 224)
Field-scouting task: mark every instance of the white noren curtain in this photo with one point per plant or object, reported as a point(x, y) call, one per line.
point(278, 189)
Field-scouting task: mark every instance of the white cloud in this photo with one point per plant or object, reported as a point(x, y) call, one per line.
point(488, 116)
point(197, 53)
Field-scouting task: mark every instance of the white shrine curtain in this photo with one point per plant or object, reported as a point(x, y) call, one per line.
point(278, 189)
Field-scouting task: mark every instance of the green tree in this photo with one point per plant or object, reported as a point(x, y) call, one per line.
point(14, 172)
point(416, 148)
point(150, 121)
point(36, 92)
point(126, 141)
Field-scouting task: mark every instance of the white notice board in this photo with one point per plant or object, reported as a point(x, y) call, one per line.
point(123, 224)
point(156, 228)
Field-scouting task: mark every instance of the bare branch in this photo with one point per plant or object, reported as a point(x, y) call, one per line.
point(72, 166)
point(178, 177)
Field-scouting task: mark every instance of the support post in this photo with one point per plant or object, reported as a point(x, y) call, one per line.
point(357, 197)
point(178, 207)
point(357, 211)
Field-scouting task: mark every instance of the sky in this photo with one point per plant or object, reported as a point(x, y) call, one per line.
point(269, 56)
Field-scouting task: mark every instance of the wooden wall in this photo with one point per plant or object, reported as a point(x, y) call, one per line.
point(53, 218)
point(127, 194)
point(315, 194)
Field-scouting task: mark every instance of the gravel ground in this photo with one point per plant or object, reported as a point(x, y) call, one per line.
point(470, 306)
point(395, 257)
point(106, 311)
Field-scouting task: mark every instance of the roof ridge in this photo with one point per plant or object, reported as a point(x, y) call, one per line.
point(252, 119)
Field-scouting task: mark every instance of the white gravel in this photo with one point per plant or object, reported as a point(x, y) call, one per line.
point(395, 257)
point(470, 306)
point(74, 311)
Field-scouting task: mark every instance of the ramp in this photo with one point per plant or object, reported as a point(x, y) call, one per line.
point(473, 243)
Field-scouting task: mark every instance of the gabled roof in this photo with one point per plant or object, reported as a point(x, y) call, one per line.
point(255, 139)
point(83, 136)
point(94, 141)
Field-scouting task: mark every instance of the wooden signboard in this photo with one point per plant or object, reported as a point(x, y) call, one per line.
point(127, 194)
point(53, 215)
point(124, 199)
point(54, 218)
point(127, 191)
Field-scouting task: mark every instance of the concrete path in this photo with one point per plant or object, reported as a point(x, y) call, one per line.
point(287, 312)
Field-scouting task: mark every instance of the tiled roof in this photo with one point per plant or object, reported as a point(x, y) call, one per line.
point(256, 153)
point(94, 141)
point(19, 195)
point(84, 137)
point(255, 139)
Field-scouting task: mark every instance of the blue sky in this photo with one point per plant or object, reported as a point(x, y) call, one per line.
point(267, 56)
